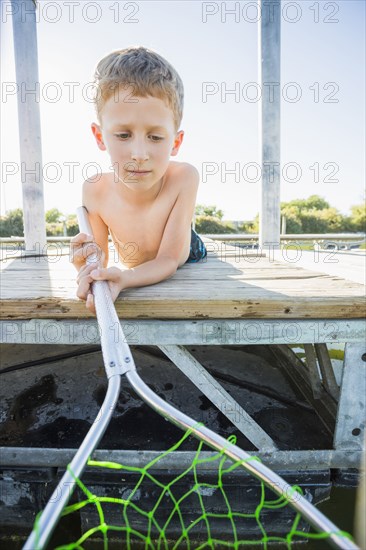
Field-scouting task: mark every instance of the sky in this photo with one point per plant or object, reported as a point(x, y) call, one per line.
point(214, 47)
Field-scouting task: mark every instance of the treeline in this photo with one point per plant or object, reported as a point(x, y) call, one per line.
point(311, 215)
point(57, 224)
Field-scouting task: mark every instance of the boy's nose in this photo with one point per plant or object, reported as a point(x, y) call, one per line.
point(139, 157)
point(139, 152)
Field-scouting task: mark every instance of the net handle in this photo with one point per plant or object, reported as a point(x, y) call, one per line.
point(117, 360)
point(117, 356)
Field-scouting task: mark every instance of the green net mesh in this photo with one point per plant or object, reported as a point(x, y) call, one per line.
point(188, 511)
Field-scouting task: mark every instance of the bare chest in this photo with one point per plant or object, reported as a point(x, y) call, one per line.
point(137, 232)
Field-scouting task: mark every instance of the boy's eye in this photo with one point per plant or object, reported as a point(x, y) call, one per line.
point(126, 135)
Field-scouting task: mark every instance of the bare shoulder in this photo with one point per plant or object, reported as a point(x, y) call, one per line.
point(183, 174)
point(94, 187)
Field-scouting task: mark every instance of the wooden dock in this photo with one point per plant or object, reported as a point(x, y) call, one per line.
point(232, 283)
point(236, 297)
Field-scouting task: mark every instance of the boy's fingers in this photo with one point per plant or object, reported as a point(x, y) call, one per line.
point(104, 274)
point(80, 254)
point(81, 238)
point(84, 287)
point(77, 245)
point(90, 302)
point(100, 274)
point(91, 248)
point(77, 254)
point(84, 270)
point(87, 249)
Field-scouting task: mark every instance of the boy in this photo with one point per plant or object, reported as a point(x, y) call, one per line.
point(147, 202)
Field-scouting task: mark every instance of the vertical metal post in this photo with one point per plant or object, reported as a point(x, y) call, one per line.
point(269, 122)
point(351, 417)
point(26, 66)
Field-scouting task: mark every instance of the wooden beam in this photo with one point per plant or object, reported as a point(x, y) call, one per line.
point(326, 369)
point(26, 66)
point(269, 114)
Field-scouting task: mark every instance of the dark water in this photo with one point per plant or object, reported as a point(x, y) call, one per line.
point(340, 509)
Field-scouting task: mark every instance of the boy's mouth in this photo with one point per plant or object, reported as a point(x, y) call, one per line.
point(139, 171)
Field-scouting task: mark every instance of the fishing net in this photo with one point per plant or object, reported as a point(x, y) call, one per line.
point(203, 506)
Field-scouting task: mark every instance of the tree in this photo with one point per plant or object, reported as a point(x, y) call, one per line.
point(211, 224)
point(358, 217)
point(313, 215)
point(12, 224)
point(328, 220)
point(250, 226)
point(54, 229)
point(206, 210)
point(293, 219)
point(72, 225)
point(54, 215)
point(314, 202)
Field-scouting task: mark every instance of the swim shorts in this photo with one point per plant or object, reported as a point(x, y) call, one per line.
point(198, 250)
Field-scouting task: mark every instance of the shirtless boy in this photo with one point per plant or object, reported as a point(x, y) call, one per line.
point(147, 202)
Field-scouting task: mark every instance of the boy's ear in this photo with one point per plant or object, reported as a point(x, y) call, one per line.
point(97, 132)
point(177, 143)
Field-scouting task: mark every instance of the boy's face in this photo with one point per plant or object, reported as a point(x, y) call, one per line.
point(140, 136)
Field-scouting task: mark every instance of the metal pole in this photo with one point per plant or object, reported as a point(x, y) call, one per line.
point(269, 122)
point(26, 65)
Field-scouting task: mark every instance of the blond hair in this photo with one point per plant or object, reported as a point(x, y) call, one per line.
point(145, 72)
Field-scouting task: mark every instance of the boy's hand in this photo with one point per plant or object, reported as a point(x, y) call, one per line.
point(82, 246)
point(90, 273)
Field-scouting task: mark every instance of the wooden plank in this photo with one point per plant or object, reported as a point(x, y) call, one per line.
point(296, 370)
point(58, 308)
point(312, 367)
point(34, 288)
point(326, 369)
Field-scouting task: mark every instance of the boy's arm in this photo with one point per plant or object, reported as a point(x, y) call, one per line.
point(91, 200)
point(100, 234)
point(84, 245)
point(174, 239)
